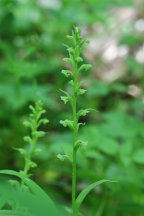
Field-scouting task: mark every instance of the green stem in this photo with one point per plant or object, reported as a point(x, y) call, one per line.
point(74, 184)
point(28, 159)
point(74, 141)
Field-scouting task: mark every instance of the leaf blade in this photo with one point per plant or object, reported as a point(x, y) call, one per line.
point(85, 192)
point(31, 184)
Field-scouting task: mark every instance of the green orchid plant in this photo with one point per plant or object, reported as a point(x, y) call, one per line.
point(34, 121)
point(76, 61)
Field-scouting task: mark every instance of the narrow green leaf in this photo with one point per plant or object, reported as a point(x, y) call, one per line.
point(13, 213)
point(66, 93)
point(31, 184)
point(85, 192)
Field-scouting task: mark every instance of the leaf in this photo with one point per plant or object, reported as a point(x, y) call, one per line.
point(97, 89)
point(13, 213)
point(85, 192)
point(31, 184)
point(108, 146)
point(66, 93)
point(138, 156)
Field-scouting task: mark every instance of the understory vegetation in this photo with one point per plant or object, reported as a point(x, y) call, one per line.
point(93, 166)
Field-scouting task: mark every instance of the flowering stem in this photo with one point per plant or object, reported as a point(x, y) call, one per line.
point(74, 141)
point(33, 122)
point(76, 61)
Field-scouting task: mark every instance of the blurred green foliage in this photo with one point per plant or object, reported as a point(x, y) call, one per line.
point(31, 52)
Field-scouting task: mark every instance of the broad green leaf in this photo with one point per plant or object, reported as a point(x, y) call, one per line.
point(97, 89)
point(31, 184)
point(85, 192)
point(138, 156)
point(108, 146)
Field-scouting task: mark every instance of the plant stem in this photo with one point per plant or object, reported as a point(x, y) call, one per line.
point(74, 141)
point(28, 159)
point(76, 61)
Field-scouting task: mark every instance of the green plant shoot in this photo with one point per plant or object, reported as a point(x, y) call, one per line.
point(76, 61)
point(33, 123)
